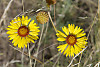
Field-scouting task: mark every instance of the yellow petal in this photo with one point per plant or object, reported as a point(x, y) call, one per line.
point(34, 27)
point(26, 45)
point(26, 18)
point(65, 29)
point(81, 45)
point(71, 28)
point(32, 23)
point(23, 21)
point(81, 34)
point(22, 17)
point(15, 44)
point(12, 32)
point(77, 49)
point(62, 47)
point(19, 23)
point(19, 45)
point(15, 39)
point(33, 33)
point(81, 42)
point(68, 50)
point(23, 42)
point(13, 27)
point(77, 30)
point(14, 24)
point(15, 20)
point(10, 29)
point(19, 19)
point(67, 54)
point(82, 39)
point(61, 33)
point(19, 41)
point(61, 39)
point(27, 21)
point(72, 51)
point(33, 37)
point(34, 30)
point(29, 39)
point(12, 36)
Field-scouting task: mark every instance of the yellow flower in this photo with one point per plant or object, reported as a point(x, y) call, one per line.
point(22, 31)
point(75, 40)
point(42, 17)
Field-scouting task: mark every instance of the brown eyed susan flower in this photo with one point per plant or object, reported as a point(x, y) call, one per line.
point(22, 31)
point(49, 2)
point(75, 40)
point(42, 17)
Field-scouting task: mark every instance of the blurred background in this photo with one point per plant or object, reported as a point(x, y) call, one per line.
point(84, 13)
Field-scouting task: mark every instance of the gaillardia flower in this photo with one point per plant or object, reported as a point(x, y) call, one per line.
point(42, 17)
point(75, 40)
point(22, 31)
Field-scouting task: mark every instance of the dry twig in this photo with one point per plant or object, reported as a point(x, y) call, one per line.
point(26, 54)
point(5, 12)
point(76, 56)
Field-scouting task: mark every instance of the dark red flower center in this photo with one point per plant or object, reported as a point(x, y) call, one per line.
point(23, 31)
point(71, 40)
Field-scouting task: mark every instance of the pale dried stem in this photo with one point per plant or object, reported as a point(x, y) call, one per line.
point(88, 58)
point(74, 64)
point(52, 22)
point(82, 10)
point(29, 52)
point(54, 14)
point(52, 58)
point(97, 65)
point(90, 30)
point(89, 34)
point(26, 54)
point(5, 12)
point(22, 59)
point(75, 57)
point(29, 11)
point(31, 48)
point(79, 60)
point(46, 48)
point(39, 44)
point(91, 25)
point(23, 5)
point(11, 62)
point(45, 30)
point(89, 65)
point(57, 61)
